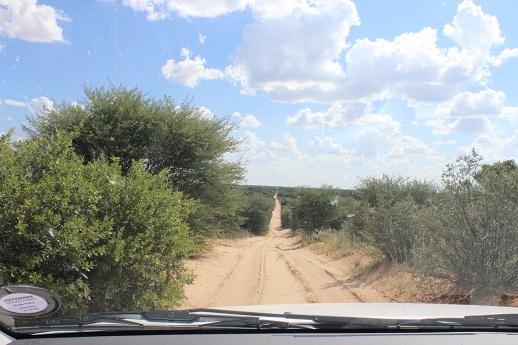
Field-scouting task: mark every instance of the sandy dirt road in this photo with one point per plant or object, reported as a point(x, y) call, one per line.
point(265, 270)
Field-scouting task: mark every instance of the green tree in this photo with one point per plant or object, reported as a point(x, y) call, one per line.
point(317, 208)
point(257, 210)
point(476, 226)
point(126, 125)
point(388, 213)
point(97, 238)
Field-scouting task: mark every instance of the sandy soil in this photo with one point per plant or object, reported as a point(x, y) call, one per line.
point(270, 270)
point(276, 269)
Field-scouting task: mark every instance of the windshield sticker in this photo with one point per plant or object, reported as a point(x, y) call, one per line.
point(21, 303)
point(26, 301)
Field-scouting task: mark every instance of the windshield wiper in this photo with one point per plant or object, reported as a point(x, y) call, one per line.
point(213, 319)
point(184, 319)
point(494, 321)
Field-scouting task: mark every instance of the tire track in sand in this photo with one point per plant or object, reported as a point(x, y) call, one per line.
point(262, 270)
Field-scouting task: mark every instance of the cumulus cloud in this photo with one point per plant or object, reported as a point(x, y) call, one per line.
point(205, 113)
point(288, 62)
point(461, 125)
point(161, 9)
point(14, 102)
point(510, 114)
point(297, 49)
point(483, 103)
point(337, 115)
point(289, 145)
point(189, 71)
point(251, 143)
point(201, 38)
point(247, 121)
point(26, 20)
point(472, 29)
point(326, 145)
point(250, 121)
point(406, 151)
point(40, 104)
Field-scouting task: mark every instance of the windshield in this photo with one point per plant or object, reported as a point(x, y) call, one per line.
point(171, 155)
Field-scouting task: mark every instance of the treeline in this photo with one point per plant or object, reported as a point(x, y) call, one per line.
point(464, 229)
point(106, 199)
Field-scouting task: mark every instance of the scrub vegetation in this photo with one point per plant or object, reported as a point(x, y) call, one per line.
point(463, 230)
point(106, 199)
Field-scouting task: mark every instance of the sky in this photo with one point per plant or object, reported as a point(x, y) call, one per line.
point(326, 91)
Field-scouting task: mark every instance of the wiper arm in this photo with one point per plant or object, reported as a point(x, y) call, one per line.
point(213, 319)
point(472, 321)
point(184, 319)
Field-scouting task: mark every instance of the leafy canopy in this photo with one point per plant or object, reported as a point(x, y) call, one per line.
point(99, 239)
point(125, 125)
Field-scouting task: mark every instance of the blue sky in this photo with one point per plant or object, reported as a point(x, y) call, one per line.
point(326, 90)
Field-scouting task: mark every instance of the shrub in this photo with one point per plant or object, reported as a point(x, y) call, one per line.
point(98, 239)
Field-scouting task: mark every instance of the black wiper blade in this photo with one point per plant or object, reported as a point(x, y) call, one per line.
point(220, 319)
point(471, 321)
point(178, 320)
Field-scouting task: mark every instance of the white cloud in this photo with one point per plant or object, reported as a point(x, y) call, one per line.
point(407, 151)
point(14, 102)
point(510, 114)
point(473, 125)
point(337, 115)
point(326, 145)
point(26, 20)
point(205, 113)
point(440, 126)
point(472, 29)
point(447, 142)
point(250, 121)
point(484, 103)
point(288, 62)
point(189, 71)
point(161, 9)
point(294, 50)
point(289, 145)
point(251, 142)
point(493, 146)
point(38, 105)
point(201, 38)
point(461, 125)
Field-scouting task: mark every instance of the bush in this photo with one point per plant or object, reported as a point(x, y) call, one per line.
point(387, 215)
point(98, 239)
point(475, 228)
point(257, 212)
point(317, 208)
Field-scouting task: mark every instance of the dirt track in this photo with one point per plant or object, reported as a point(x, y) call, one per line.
point(266, 270)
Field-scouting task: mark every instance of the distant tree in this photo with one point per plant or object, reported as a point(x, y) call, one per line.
point(317, 208)
point(97, 238)
point(124, 125)
point(257, 211)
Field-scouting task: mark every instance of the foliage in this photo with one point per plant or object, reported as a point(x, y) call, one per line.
point(475, 228)
point(257, 210)
point(125, 125)
point(317, 208)
point(99, 239)
point(388, 215)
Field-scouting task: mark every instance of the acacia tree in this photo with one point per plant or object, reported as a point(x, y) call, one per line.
point(125, 125)
point(389, 211)
point(97, 238)
point(316, 208)
point(475, 227)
